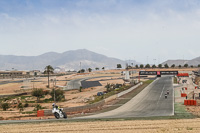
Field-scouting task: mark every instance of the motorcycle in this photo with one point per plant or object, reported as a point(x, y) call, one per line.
point(59, 113)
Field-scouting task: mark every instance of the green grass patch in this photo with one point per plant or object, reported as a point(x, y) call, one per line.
point(47, 100)
point(31, 101)
point(118, 90)
point(29, 112)
point(181, 112)
point(148, 81)
point(175, 80)
point(24, 97)
point(13, 97)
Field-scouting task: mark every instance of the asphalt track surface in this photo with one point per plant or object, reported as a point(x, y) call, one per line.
point(150, 102)
point(76, 83)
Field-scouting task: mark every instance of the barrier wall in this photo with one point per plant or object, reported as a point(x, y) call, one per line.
point(183, 95)
point(40, 113)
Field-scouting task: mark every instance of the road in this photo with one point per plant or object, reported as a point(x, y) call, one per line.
point(76, 83)
point(150, 102)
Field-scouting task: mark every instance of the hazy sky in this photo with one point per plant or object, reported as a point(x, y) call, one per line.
point(126, 29)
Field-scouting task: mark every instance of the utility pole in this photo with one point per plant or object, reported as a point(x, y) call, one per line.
point(54, 84)
point(80, 67)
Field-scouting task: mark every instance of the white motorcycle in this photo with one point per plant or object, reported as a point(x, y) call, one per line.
point(58, 112)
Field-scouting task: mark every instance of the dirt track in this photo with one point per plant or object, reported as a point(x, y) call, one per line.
point(181, 126)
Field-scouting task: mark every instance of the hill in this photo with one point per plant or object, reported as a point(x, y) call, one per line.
point(194, 62)
point(69, 60)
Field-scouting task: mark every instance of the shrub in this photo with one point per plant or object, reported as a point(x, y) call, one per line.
point(20, 107)
point(46, 92)
point(38, 93)
point(59, 94)
point(26, 104)
point(80, 89)
point(37, 107)
point(5, 106)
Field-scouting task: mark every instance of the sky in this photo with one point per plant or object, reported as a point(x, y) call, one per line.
point(148, 31)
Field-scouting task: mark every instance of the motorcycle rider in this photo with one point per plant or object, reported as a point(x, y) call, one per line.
point(58, 112)
point(55, 106)
point(166, 96)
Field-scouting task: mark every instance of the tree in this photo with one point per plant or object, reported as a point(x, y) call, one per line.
point(173, 66)
point(154, 66)
point(147, 66)
point(136, 66)
point(96, 68)
point(90, 69)
point(191, 66)
point(82, 71)
point(179, 66)
point(4, 106)
point(37, 93)
point(186, 65)
point(166, 66)
point(119, 66)
point(160, 65)
point(103, 68)
point(59, 95)
point(141, 66)
point(48, 70)
point(199, 65)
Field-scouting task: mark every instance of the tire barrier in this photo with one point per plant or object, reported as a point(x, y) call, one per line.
point(183, 75)
point(183, 94)
point(190, 102)
point(40, 113)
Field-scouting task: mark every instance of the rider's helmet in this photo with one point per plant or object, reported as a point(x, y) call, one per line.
point(53, 104)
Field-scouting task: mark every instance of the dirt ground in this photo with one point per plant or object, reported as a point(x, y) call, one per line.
point(137, 126)
point(190, 91)
point(73, 98)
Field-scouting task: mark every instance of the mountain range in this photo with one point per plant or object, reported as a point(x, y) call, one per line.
point(69, 60)
point(194, 62)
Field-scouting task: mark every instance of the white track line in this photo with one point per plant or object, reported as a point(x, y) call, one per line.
point(161, 94)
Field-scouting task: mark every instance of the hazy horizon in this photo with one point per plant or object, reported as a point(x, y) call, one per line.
point(147, 31)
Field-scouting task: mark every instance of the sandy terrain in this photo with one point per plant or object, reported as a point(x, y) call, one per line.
point(137, 126)
point(73, 98)
point(190, 90)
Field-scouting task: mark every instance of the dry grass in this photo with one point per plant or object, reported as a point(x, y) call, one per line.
point(139, 126)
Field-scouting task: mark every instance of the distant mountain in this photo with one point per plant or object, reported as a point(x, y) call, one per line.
point(176, 62)
point(69, 60)
point(194, 62)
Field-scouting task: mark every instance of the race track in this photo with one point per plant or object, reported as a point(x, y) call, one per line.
point(150, 102)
